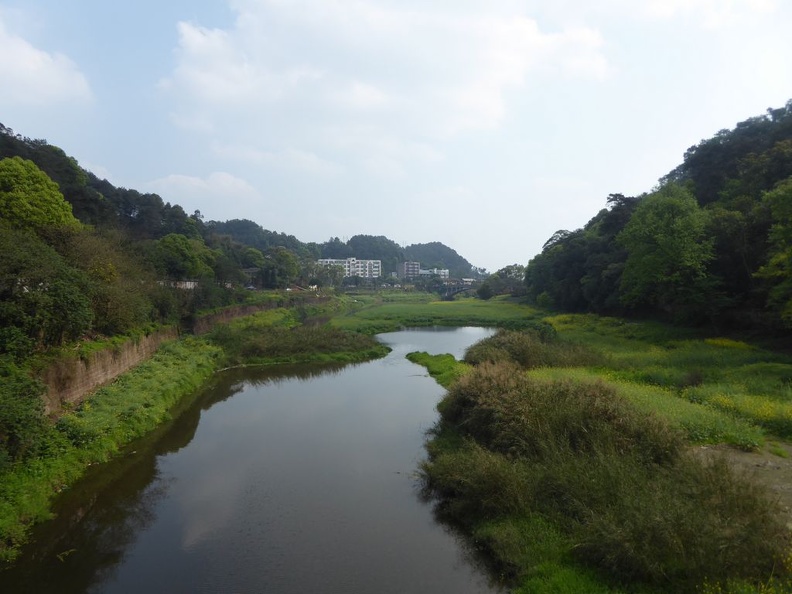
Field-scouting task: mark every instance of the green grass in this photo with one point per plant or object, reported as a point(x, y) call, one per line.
point(415, 311)
point(567, 482)
point(671, 525)
point(445, 369)
point(701, 424)
point(276, 336)
point(114, 416)
point(740, 380)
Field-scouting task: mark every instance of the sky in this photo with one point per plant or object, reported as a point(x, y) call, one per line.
point(485, 125)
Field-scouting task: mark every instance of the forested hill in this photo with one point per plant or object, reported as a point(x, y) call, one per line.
point(147, 217)
point(437, 255)
point(711, 244)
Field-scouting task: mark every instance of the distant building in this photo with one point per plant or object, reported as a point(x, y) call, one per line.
point(355, 267)
point(409, 269)
point(441, 272)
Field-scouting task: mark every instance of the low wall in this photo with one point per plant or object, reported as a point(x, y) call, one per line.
point(69, 380)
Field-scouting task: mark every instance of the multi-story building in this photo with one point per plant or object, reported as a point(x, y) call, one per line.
point(409, 269)
point(355, 267)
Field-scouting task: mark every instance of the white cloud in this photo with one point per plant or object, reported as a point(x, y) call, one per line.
point(711, 14)
point(362, 96)
point(289, 159)
point(35, 77)
point(446, 71)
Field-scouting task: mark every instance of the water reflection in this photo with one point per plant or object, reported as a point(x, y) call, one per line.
point(303, 481)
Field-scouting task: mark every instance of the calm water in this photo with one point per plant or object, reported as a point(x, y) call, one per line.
point(295, 481)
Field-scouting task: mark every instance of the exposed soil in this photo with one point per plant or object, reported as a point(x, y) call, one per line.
point(771, 466)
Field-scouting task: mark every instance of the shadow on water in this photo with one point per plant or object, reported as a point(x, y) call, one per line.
point(476, 555)
point(99, 518)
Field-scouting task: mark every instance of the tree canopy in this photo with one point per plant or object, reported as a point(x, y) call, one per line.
point(710, 245)
point(667, 252)
point(29, 199)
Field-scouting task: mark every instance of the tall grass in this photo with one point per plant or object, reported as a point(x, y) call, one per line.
point(616, 485)
point(536, 347)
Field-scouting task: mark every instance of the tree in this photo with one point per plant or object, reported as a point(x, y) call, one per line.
point(370, 247)
point(43, 301)
point(180, 258)
point(667, 254)
point(509, 280)
point(29, 199)
point(778, 269)
point(336, 249)
point(438, 255)
point(485, 291)
point(280, 269)
point(23, 426)
point(554, 276)
point(117, 283)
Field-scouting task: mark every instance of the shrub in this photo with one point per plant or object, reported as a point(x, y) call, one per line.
point(683, 525)
point(511, 413)
point(530, 349)
point(23, 427)
point(616, 483)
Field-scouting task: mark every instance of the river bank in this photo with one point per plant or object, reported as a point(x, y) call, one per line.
point(707, 391)
point(280, 478)
point(98, 427)
point(575, 475)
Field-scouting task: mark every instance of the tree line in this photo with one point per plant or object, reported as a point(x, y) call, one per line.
point(711, 244)
point(83, 259)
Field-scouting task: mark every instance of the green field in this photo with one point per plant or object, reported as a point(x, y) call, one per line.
point(391, 312)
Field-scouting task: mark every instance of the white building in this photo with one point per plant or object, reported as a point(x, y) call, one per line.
point(441, 272)
point(355, 267)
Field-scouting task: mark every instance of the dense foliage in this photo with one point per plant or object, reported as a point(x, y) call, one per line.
point(570, 486)
point(710, 245)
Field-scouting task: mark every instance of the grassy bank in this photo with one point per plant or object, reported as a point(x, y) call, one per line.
point(114, 416)
point(140, 400)
point(739, 379)
point(389, 313)
point(277, 336)
point(568, 459)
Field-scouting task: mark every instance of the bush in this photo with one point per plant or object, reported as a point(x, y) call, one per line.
point(530, 349)
point(616, 483)
point(681, 525)
point(23, 425)
point(508, 412)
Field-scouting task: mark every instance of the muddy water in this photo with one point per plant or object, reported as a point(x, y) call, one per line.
point(281, 481)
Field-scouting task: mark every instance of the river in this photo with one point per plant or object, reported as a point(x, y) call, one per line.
point(287, 480)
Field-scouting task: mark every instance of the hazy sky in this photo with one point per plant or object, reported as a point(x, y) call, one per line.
point(485, 125)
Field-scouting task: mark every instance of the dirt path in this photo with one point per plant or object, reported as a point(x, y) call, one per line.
point(771, 466)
